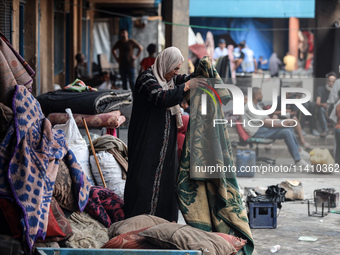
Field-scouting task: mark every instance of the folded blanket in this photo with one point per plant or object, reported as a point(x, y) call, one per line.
point(86, 102)
point(109, 120)
point(105, 206)
point(29, 158)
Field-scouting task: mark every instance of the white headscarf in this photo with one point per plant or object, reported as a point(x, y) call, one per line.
point(166, 62)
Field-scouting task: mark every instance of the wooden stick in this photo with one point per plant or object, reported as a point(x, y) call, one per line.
point(94, 152)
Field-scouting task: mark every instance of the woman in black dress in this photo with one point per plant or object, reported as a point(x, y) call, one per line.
point(156, 114)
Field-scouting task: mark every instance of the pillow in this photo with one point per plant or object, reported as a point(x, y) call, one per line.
point(130, 240)
point(236, 242)
point(53, 228)
point(60, 217)
point(134, 223)
point(63, 188)
point(62, 223)
point(184, 237)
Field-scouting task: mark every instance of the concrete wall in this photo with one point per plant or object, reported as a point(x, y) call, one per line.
point(31, 38)
point(145, 36)
point(280, 37)
point(46, 49)
point(325, 60)
point(177, 12)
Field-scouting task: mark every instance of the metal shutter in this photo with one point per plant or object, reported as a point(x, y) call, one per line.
point(6, 18)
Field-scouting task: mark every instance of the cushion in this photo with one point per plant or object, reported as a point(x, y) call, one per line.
point(63, 189)
point(60, 217)
point(134, 223)
point(236, 242)
point(130, 240)
point(63, 226)
point(185, 237)
point(241, 132)
point(53, 228)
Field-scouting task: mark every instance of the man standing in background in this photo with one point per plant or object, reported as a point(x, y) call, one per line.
point(126, 58)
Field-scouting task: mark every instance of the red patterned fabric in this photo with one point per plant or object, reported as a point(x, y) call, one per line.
point(12, 215)
point(53, 228)
point(62, 223)
point(105, 206)
point(130, 240)
point(236, 242)
point(109, 120)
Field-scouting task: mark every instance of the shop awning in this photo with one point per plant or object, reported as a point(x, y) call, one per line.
point(252, 8)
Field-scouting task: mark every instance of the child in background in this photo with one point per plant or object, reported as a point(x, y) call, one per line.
point(148, 62)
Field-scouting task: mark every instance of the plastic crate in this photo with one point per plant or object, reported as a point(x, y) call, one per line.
point(262, 215)
point(68, 251)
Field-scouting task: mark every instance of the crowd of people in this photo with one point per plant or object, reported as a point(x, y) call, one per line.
point(241, 64)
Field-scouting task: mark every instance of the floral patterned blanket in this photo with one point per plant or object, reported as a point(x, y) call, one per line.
point(206, 203)
point(29, 158)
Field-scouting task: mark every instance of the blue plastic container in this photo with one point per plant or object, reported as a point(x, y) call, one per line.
point(244, 161)
point(262, 215)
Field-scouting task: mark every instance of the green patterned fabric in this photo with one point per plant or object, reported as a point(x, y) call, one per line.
point(210, 204)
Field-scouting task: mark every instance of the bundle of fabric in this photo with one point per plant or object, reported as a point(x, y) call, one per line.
point(86, 102)
point(211, 204)
point(87, 232)
point(79, 86)
point(109, 120)
point(105, 206)
point(116, 147)
point(29, 158)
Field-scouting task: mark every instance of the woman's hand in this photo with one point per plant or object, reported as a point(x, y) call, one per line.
point(194, 83)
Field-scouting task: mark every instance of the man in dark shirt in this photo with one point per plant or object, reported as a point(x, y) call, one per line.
point(322, 94)
point(126, 57)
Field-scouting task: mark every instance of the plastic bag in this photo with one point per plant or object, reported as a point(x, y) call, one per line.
point(111, 170)
point(77, 144)
point(321, 156)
